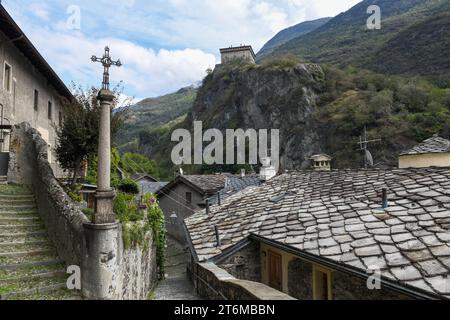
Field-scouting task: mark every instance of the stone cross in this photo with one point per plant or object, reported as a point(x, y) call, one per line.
point(105, 194)
point(107, 62)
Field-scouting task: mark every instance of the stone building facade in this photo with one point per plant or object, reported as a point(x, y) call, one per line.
point(30, 91)
point(238, 54)
point(433, 152)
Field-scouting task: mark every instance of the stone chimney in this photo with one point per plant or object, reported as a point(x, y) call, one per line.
point(267, 171)
point(321, 162)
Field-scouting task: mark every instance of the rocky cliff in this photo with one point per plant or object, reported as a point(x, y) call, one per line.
point(265, 97)
point(317, 108)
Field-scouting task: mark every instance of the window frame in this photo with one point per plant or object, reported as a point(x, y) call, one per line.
point(50, 110)
point(188, 199)
point(5, 88)
point(36, 100)
point(320, 271)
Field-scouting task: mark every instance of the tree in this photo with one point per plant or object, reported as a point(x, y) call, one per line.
point(78, 135)
point(136, 163)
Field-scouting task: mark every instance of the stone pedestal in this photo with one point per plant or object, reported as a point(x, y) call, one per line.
point(104, 207)
point(101, 261)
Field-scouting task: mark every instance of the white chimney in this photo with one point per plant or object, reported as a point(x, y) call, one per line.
point(267, 171)
point(242, 173)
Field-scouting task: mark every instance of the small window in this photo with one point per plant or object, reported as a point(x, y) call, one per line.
point(322, 284)
point(60, 117)
point(7, 77)
point(50, 110)
point(36, 100)
point(189, 197)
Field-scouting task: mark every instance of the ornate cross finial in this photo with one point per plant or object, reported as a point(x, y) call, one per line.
point(107, 62)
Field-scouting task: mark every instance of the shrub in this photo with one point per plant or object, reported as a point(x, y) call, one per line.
point(128, 186)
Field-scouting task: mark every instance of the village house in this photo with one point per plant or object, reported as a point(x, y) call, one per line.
point(30, 90)
point(187, 194)
point(433, 152)
point(147, 183)
point(238, 54)
point(321, 235)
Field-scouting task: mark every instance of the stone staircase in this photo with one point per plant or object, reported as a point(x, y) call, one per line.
point(29, 265)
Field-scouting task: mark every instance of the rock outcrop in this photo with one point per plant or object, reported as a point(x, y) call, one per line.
point(265, 97)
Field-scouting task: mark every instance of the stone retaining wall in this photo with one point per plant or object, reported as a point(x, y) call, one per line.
point(214, 283)
point(29, 165)
point(138, 271)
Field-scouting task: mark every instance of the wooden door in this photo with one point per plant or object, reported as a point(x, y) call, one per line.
point(275, 271)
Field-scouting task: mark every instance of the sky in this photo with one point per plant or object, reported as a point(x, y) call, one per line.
point(164, 45)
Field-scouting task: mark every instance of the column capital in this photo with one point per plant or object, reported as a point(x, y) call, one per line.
point(106, 95)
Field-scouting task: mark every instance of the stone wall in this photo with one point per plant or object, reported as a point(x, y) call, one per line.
point(300, 279)
point(245, 264)
point(344, 286)
point(63, 219)
point(138, 271)
point(214, 283)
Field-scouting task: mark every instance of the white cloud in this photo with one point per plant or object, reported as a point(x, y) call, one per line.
point(145, 72)
point(164, 44)
point(40, 10)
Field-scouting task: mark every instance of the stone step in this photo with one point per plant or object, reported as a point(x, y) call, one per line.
point(16, 197)
point(32, 277)
point(19, 215)
point(38, 287)
point(13, 202)
point(18, 267)
point(23, 236)
point(14, 245)
point(61, 294)
point(18, 207)
point(21, 258)
point(18, 219)
point(26, 254)
point(17, 228)
point(25, 270)
point(13, 214)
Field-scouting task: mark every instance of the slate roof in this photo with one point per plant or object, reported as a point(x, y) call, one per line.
point(208, 183)
point(140, 176)
point(435, 144)
point(234, 184)
point(337, 216)
point(152, 187)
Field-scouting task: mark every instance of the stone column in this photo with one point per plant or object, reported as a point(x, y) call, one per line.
point(105, 195)
point(103, 241)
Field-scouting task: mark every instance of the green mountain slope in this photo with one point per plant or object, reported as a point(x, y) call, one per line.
point(289, 34)
point(409, 27)
point(152, 113)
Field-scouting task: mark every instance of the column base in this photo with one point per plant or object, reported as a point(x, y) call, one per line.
point(104, 205)
point(101, 261)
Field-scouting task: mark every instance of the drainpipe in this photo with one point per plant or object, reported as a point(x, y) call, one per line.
point(219, 199)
